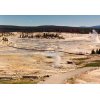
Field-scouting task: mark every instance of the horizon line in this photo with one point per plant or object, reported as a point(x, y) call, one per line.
point(44, 25)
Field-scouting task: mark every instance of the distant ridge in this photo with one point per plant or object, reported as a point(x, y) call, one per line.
point(97, 26)
point(47, 28)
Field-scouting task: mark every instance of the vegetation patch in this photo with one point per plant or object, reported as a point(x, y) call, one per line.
point(93, 64)
point(79, 61)
point(85, 58)
point(49, 56)
point(24, 80)
point(97, 61)
point(19, 81)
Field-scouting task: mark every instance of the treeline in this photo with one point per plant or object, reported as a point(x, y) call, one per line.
point(51, 28)
point(6, 34)
point(97, 51)
point(44, 35)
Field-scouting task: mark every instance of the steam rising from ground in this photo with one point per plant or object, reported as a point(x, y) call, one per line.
point(57, 59)
point(95, 36)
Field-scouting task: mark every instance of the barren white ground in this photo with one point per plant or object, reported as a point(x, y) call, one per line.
point(21, 57)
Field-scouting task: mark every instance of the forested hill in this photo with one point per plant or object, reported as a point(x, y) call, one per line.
point(47, 28)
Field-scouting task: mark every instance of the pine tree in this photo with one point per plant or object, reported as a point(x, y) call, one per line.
point(93, 52)
point(97, 51)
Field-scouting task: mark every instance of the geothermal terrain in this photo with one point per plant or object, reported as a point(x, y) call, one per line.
point(38, 60)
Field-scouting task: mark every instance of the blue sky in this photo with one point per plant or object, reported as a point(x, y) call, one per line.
point(63, 20)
